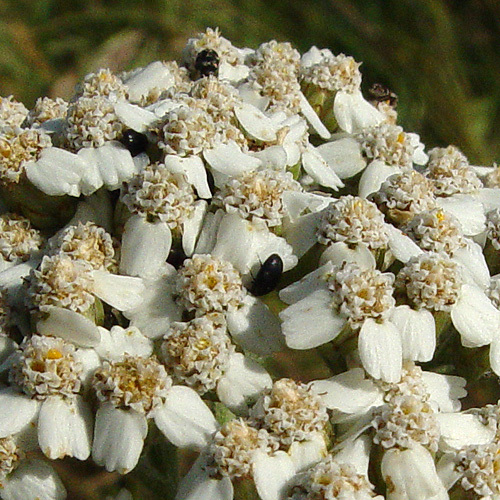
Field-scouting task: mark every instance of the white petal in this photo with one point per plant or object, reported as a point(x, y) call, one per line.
point(489, 197)
point(57, 172)
point(306, 453)
point(158, 309)
point(380, 350)
point(244, 378)
point(319, 169)
point(274, 157)
point(297, 203)
point(364, 114)
point(447, 470)
point(418, 332)
point(65, 428)
point(21, 412)
point(118, 438)
point(459, 430)
point(344, 156)
point(373, 177)
point(255, 123)
point(153, 75)
point(145, 247)
point(311, 321)
point(271, 474)
point(118, 341)
point(121, 292)
point(208, 234)
point(33, 480)
point(495, 355)
point(340, 252)
point(135, 117)
point(402, 247)
point(198, 485)
point(349, 392)
point(307, 285)
point(69, 325)
point(412, 475)
point(357, 454)
point(194, 170)
point(342, 106)
point(468, 210)
point(301, 235)
point(234, 74)
point(445, 390)
point(192, 226)
point(230, 160)
point(473, 264)
point(185, 419)
point(475, 317)
point(254, 327)
point(113, 164)
point(308, 111)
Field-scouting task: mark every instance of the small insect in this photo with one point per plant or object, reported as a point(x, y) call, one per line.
point(134, 141)
point(207, 63)
point(381, 93)
point(268, 276)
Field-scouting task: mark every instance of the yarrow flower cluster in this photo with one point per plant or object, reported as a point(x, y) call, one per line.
point(171, 234)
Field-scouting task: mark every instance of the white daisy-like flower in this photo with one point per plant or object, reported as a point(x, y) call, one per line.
point(164, 206)
point(19, 241)
point(102, 83)
point(63, 293)
point(327, 300)
point(12, 112)
point(132, 390)
point(47, 113)
point(27, 478)
point(47, 378)
point(332, 86)
point(200, 354)
point(437, 283)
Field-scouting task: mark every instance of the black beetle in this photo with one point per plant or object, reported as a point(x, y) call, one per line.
point(268, 276)
point(207, 63)
point(134, 141)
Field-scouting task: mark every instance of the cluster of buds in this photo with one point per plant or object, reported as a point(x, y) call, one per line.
point(171, 229)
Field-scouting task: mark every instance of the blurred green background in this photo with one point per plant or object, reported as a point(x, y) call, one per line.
point(440, 56)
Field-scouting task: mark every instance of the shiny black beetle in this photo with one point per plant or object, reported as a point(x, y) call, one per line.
point(207, 63)
point(268, 276)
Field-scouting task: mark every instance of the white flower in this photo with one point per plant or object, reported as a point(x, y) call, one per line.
point(47, 376)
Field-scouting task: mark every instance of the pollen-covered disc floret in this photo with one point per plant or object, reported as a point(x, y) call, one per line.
point(479, 467)
point(274, 72)
point(12, 112)
point(17, 147)
point(403, 195)
point(407, 417)
point(450, 172)
point(102, 83)
point(436, 231)
point(46, 109)
point(61, 281)
point(46, 366)
point(233, 447)
point(493, 227)
point(330, 480)
point(136, 383)
point(431, 281)
point(86, 242)
point(10, 456)
point(157, 193)
point(388, 143)
point(358, 294)
point(353, 220)
point(207, 284)
point(188, 130)
point(197, 353)
point(333, 73)
point(290, 411)
point(18, 240)
point(91, 122)
point(257, 195)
